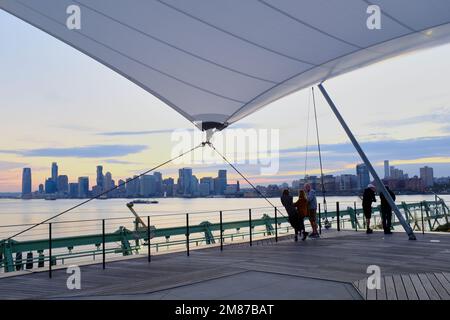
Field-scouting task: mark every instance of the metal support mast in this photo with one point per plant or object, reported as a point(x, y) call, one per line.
point(380, 184)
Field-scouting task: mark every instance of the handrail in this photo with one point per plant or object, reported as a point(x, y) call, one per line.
point(123, 236)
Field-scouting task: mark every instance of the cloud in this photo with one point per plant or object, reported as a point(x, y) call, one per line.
point(386, 149)
point(137, 133)
point(8, 165)
point(95, 151)
point(116, 161)
point(440, 115)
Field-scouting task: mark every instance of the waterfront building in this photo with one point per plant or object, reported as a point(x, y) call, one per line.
point(210, 182)
point(83, 187)
point(386, 169)
point(26, 182)
point(108, 183)
point(363, 177)
point(169, 187)
point(158, 183)
point(62, 184)
point(220, 183)
point(426, 174)
point(73, 190)
point(147, 185)
point(55, 172)
point(184, 181)
point(100, 177)
point(50, 186)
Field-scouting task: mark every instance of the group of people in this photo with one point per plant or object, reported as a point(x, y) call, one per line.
point(305, 206)
point(386, 211)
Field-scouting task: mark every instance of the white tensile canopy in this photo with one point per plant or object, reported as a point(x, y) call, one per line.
point(216, 61)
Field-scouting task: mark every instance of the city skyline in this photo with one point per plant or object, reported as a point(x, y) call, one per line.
point(190, 185)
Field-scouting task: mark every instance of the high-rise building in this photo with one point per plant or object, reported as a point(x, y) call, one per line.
point(184, 181)
point(55, 172)
point(147, 185)
point(26, 182)
point(168, 187)
point(100, 177)
point(62, 184)
point(73, 190)
point(220, 183)
point(121, 188)
point(386, 169)
point(426, 174)
point(194, 186)
point(41, 188)
point(397, 174)
point(362, 173)
point(222, 174)
point(83, 187)
point(210, 182)
point(158, 183)
point(108, 181)
point(50, 186)
point(132, 187)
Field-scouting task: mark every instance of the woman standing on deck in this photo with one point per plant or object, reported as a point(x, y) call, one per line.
point(302, 208)
point(367, 199)
point(294, 219)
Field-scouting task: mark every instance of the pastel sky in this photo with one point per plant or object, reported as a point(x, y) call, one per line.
point(59, 105)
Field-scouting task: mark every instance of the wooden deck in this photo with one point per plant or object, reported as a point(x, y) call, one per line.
point(415, 286)
point(331, 268)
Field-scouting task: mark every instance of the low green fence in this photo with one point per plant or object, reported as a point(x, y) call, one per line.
point(50, 250)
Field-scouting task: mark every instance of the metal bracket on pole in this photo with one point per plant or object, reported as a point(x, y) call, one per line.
point(380, 184)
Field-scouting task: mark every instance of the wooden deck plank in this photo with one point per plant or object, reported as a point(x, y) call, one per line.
point(446, 275)
point(362, 287)
point(371, 294)
point(443, 280)
point(390, 288)
point(381, 293)
point(420, 289)
point(438, 287)
point(432, 294)
point(409, 287)
point(399, 288)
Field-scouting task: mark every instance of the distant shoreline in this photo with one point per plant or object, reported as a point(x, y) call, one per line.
point(17, 196)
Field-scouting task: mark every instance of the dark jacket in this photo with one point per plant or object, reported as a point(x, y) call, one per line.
point(288, 204)
point(385, 207)
point(368, 197)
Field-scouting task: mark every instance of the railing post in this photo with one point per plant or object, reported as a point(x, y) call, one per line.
point(356, 216)
point(338, 216)
point(250, 224)
point(103, 245)
point(187, 234)
point(276, 225)
point(221, 232)
point(148, 240)
point(320, 220)
point(421, 214)
point(50, 259)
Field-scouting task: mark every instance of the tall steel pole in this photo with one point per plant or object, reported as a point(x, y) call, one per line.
point(380, 184)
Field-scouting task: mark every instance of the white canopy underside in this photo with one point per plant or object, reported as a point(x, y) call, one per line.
point(221, 60)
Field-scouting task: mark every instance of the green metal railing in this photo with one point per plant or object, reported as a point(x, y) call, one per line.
point(127, 241)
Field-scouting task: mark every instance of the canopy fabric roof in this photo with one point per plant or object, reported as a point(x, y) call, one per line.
point(217, 61)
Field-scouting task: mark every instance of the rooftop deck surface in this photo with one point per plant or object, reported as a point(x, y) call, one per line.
point(332, 267)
